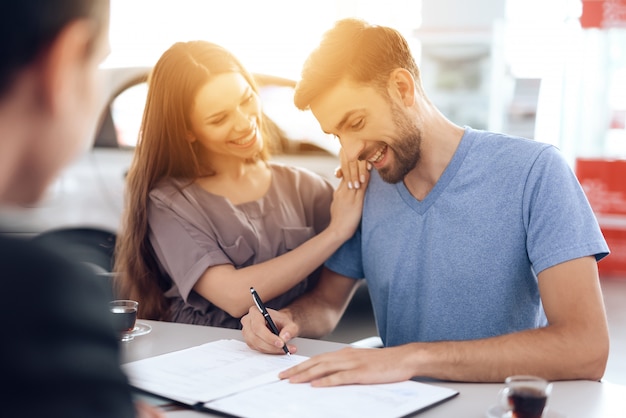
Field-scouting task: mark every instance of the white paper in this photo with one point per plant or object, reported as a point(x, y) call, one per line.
point(228, 376)
point(283, 399)
point(208, 371)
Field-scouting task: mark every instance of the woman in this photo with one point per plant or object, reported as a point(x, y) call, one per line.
point(208, 215)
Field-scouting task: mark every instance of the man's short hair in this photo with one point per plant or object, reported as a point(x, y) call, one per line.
point(27, 27)
point(355, 49)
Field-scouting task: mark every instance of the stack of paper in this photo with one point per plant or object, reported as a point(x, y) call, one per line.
point(227, 376)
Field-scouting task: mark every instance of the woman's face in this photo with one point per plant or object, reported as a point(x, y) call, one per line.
point(225, 117)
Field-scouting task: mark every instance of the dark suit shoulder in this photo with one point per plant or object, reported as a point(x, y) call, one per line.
point(60, 356)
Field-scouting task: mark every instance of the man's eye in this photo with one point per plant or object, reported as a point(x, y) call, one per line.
point(357, 124)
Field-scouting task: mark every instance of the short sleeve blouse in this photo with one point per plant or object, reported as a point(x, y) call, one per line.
point(191, 230)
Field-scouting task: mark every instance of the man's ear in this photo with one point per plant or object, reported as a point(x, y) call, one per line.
point(63, 61)
point(403, 84)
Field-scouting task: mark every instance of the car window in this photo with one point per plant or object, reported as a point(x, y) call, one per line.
point(127, 111)
point(300, 127)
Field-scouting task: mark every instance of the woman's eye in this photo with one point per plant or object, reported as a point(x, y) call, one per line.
point(217, 121)
point(248, 99)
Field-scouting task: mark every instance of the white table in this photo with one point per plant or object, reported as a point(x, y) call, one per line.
point(573, 399)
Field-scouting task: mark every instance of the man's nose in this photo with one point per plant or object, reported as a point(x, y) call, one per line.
point(352, 147)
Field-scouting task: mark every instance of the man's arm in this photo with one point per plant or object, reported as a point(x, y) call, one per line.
point(574, 345)
point(313, 315)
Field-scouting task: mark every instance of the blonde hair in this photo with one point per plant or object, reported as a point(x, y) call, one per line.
point(358, 51)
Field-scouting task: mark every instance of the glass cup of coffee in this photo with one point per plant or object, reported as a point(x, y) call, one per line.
point(524, 396)
point(124, 313)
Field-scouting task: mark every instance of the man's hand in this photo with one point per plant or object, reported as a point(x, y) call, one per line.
point(351, 366)
point(259, 337)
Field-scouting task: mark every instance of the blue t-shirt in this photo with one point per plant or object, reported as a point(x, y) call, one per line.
point(463, 262)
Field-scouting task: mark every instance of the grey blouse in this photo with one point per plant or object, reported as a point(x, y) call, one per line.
point(191, 230)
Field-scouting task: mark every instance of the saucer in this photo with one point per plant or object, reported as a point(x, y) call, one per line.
point(496, 412)
point(140, 329)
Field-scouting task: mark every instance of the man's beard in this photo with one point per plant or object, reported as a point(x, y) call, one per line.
point(406, 147)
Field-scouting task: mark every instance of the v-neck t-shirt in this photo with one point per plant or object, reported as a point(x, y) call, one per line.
point(462, 263)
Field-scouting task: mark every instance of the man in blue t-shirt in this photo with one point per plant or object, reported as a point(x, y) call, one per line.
point(479, 249)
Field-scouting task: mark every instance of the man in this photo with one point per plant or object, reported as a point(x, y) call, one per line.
point(59, 355)
point(479, 249)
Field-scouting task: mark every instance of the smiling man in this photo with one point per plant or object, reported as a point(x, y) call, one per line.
point(479, 249)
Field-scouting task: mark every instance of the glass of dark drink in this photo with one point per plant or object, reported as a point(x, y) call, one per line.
point(124, 314)
point(525, 396)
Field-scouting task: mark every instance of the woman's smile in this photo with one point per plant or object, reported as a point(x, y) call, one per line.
point(247, 140)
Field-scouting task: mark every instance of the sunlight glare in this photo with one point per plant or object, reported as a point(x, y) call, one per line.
point(271, 36)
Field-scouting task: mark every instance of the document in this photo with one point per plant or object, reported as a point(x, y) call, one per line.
point(207, 372)
point(227, 376)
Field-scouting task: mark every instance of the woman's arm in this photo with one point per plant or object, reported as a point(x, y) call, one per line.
point(229, 288)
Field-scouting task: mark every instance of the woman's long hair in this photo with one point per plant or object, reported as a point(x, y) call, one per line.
point(164, 152)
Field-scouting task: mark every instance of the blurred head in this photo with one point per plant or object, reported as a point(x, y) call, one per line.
point(362, 84)
point(201, 103)
point(50, 89)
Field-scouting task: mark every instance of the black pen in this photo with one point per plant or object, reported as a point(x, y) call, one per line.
point(259, 304)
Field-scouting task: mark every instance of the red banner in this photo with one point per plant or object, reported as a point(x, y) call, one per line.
point(603, 14)
point(604, 182)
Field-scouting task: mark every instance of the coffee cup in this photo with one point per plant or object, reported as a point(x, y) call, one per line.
point(524, 396)
point(124, 316)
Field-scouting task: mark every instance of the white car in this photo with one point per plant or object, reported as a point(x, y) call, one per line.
point(83, 207)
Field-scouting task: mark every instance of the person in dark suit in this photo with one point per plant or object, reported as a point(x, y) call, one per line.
point(59, 355)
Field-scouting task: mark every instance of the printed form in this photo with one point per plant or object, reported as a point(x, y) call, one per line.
point(228, 376)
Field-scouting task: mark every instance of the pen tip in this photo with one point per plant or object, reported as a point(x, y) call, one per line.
point(251, 289)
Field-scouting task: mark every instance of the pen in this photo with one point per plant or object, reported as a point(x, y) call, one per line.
point(259, 304)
